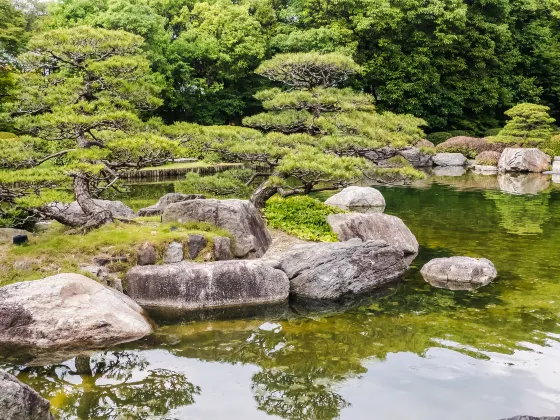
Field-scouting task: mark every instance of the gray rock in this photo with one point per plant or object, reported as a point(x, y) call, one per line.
point(486, 169)
point(222, 248)
point(523, 160)
point(336, 269)
point(380, 155)
point(98, 271)
point(449, 159)
point(117, 209)
point(174, 253)
point(166, 200)
point(416, 157)
point(522, 184)
point(459, 273)
point(20, 402)
point(68, 310)
point(374, 226)
point(356, 196)
point(449, 171)
point(196, 244)
point(239, 217)
point(6, 234)
point(146, 254)
point(196, 286)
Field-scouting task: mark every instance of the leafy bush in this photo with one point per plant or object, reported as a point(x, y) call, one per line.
point(468, 146)
point(439, 137)
point(424, 143)
point(488, 157)
point(458, 133)
point(552, 146)
point(301, 216)
point(492, 132)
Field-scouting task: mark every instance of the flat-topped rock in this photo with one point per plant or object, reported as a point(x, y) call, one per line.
point(374, 226)
point(68, 310)
point(449, 159)
point(197, 286)
point(355, 196)
point(239, 217)
point(515, 159)
point(20, 402)
point(459, 273)
point(166, 200)
point(331, 270)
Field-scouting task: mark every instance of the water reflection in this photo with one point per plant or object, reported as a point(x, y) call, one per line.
point(522, 184)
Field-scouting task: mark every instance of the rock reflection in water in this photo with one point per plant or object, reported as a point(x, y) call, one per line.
point(449, 171)
point(523, 183)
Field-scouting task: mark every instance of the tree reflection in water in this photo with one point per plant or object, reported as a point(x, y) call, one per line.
point(109, 385)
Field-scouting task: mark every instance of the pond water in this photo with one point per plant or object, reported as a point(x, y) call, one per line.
point(415, 352)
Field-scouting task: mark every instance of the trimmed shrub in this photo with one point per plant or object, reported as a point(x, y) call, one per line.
point(439, 137)
point(301, 216)
point(460, 133)
point(492, 132)
point(424, 143)
point(468, 146)
point(489, 158)
point(551, 147)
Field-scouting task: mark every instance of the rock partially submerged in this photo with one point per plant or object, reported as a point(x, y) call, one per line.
point(356, 196)
point(195, 286)
point(165, 201)
point(20, 402)
point(515, 159)
point(334, 269)
point(374, 226)
point(68, 310)
point(449, 159)
point(239, 217)
point(459, 273)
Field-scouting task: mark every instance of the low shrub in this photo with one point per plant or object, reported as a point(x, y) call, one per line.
point(551, 147)
point(439, 137)
point(468, 146)
point(492, 132)
point(301, 216)
point(489, 158)
point(460, 133)
point(7, 135)
point(424, 143)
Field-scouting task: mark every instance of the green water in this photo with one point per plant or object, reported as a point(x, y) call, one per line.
point(416, 352)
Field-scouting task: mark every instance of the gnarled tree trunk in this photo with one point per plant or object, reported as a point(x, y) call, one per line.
point(262, 194)
point(95, 214)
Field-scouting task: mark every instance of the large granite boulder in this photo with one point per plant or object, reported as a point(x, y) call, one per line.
point(20, 402)
point(459, 273)
point(416, 157)
point(68, 310)
point(449, 159)
point(195, 286)
point(6, 234)
point(239, 217)
point(166, 200)
point(515, 159)
point(374, 226)
point(356, 196)
point(117, 209)
point(332, 270)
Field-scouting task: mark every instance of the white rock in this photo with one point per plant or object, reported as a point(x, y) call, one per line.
point(523, 160)
point(449, 159)
point(357, 197)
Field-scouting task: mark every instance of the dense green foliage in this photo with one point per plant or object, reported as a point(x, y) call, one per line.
point(529, 125)
point(303, 216)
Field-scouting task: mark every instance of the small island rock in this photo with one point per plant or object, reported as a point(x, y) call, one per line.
point(459, 273)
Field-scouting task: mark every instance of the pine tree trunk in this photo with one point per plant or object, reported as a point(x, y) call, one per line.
point(262, 194)
point(95, 214)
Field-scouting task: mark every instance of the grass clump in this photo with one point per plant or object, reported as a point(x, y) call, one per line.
point(54, 251)
point(301, 216)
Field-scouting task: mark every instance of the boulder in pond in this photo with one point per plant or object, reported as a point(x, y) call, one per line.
point(7, 234)
point(20, 402)
point(374, 226)
point(449, 159)
point(239, 217)
point(517, 159)
point(459, 273)
point(68, 310)
point(332, 270)
point(200, 286)
point(355, 196)
point(166, 200)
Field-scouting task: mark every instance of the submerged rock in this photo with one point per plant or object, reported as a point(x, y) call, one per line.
point(7, 234)
point(239, 217)
point(334, 269)
point(68, 310)
point(195, 286)
point(357, 197)
point(449, 159)
point(459, 273)
point(515, 159)
point(166, 200)
point(20, 402)
point(374, 226)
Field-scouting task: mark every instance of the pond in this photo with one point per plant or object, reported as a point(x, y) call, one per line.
point(412, 352)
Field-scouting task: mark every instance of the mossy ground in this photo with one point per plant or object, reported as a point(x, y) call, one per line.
point(55, 251)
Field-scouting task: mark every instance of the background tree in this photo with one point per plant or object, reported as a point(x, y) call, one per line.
point(529, 125)
point(80, 97)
